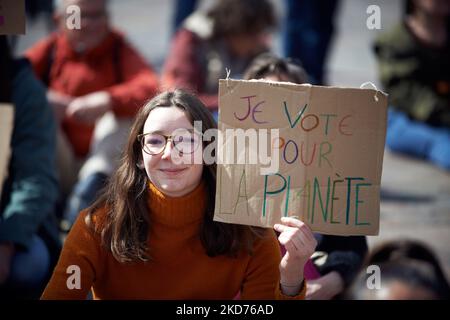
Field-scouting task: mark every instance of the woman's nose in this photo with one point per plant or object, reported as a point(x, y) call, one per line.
point(167, 149)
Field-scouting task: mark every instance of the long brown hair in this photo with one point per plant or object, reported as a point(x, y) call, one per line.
point(126, 228)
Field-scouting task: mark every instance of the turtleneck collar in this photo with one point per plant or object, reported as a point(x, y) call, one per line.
point(177, 211)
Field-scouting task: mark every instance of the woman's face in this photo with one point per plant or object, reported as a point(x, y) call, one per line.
point(94, 24)
point(173, 172)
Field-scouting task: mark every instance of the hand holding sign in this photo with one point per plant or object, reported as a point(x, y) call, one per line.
point(300, 244)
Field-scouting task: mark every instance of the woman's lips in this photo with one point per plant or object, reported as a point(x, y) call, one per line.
point(172, 172)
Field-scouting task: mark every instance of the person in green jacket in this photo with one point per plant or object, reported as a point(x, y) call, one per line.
point(29, 241)
point(414, 66)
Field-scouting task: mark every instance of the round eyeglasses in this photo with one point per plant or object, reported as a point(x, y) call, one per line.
point(185, 142)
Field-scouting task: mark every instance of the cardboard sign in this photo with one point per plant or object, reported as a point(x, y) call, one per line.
point(6, 128)
point(325, 147)
point(12, 17)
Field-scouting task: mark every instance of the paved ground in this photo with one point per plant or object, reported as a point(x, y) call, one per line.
point(415, 195)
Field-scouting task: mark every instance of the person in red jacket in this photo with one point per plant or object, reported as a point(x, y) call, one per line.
point(96, 83)
point(230, 35)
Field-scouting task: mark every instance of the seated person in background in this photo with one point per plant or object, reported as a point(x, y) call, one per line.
point(96, 84)
point(29, 240)
point(408, 271)
point(414, 66)
point(337, 259)
point(231, 34)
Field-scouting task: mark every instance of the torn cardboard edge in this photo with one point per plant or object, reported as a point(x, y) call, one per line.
point(6, 129)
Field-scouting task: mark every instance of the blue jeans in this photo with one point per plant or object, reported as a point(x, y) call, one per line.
point(307, 31)
point(182, 9)
point(418, 139)
point(84, 194)
point(215, 115)
point(29, 271)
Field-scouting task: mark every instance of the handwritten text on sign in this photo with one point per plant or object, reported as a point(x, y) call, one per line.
point(328, 154)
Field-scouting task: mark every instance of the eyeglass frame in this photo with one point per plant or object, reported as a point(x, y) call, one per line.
point(167, 138)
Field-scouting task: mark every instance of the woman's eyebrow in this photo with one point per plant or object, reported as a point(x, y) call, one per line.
point(186, 129)
point(162, 132)
point(155, 131)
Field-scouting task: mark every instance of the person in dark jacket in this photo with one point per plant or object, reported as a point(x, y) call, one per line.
point(29, 240)
point(414, 66)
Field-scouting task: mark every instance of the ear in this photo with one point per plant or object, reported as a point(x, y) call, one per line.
point(140, 165)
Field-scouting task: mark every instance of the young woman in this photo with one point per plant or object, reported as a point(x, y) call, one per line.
point(151, 235)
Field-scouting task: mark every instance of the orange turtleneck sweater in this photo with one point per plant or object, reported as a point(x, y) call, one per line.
point(180, 268)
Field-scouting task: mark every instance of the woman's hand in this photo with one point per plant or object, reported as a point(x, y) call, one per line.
point(300, 244)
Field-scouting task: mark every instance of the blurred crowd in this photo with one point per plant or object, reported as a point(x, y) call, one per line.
point(76, 94)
